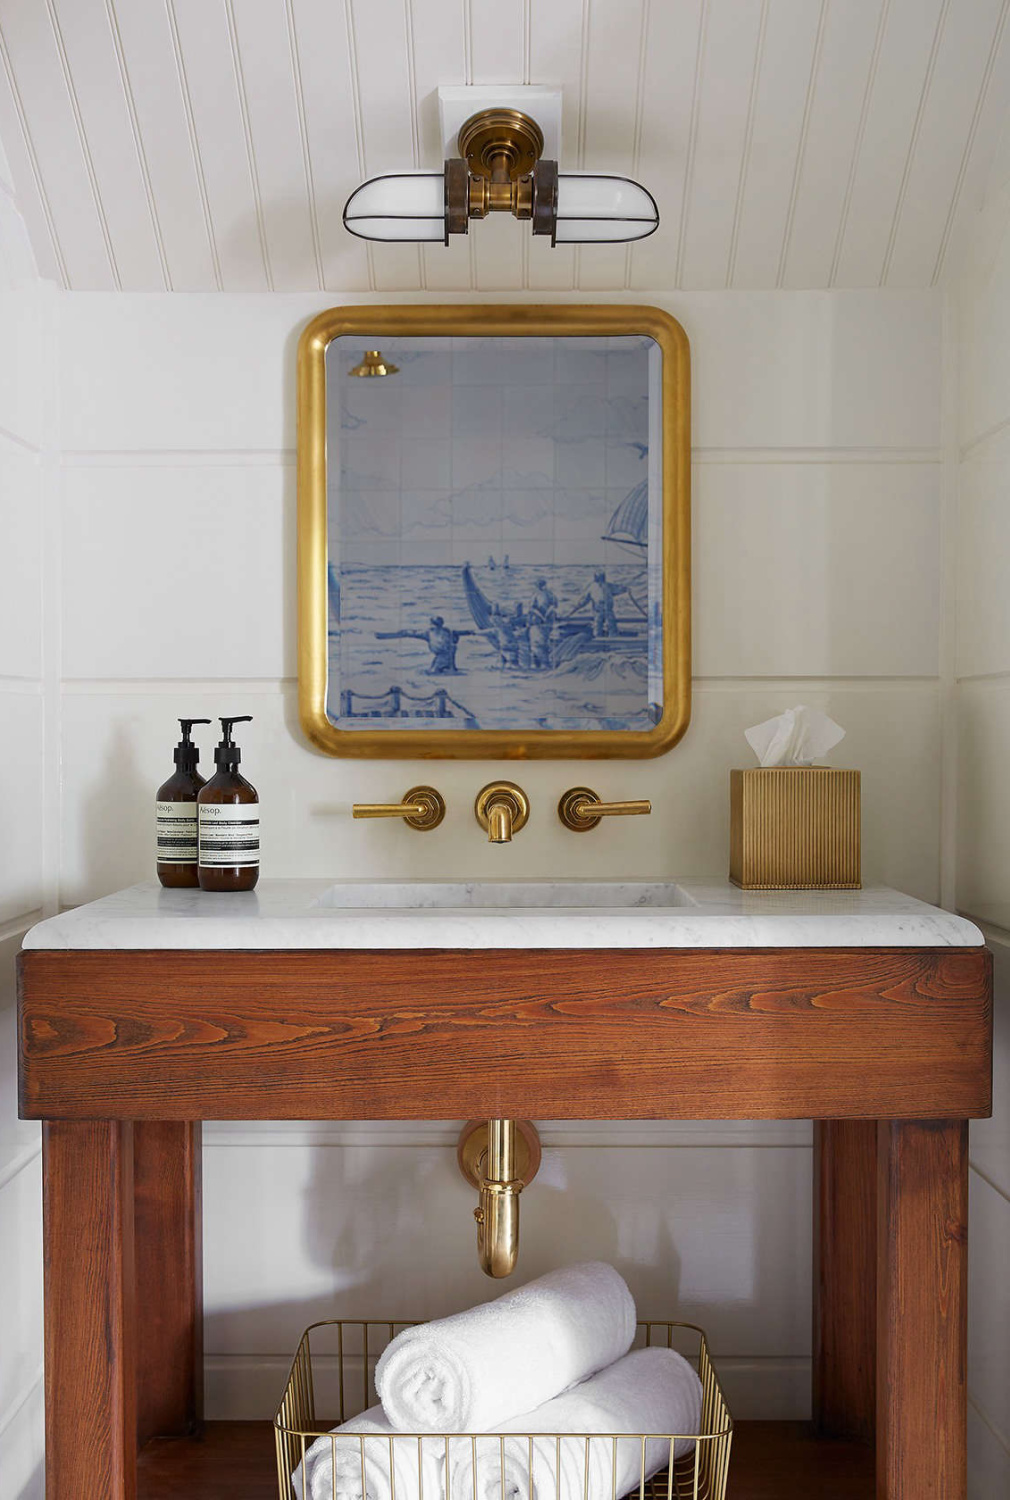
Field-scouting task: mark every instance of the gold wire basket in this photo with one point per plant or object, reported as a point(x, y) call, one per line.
point(337, 1359)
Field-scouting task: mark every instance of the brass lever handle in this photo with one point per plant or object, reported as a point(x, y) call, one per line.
point(422, 808)
point(581, 809)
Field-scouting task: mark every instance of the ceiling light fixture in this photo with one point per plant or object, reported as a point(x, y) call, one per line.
point(500, 169)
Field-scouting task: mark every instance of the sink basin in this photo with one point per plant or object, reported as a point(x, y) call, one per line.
point(555, 895)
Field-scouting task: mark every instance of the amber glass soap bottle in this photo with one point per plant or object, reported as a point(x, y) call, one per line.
point(229, 821)
point(176, 812)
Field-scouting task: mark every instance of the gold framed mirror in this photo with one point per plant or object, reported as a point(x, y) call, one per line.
point(494, 531)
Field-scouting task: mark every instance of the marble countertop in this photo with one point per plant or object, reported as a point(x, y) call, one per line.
point(492, 914)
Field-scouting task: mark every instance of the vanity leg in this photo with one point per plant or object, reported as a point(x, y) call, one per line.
point(845, 1278)
point(90, 1336)
point(922, 1283)
point(169, 1259)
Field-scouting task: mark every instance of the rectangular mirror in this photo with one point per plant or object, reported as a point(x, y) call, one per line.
point(494, 531)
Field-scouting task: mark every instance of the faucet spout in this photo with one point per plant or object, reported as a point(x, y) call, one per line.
point(498, 1157)
point(501, 809)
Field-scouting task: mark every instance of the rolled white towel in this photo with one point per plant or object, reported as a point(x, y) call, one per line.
point(651, 1391)
point(473, 1371)
point(353, 1463)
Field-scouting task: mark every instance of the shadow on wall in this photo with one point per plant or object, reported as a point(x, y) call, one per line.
point(120, 797)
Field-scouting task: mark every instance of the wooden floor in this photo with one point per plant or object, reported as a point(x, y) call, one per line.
point(771, 1461)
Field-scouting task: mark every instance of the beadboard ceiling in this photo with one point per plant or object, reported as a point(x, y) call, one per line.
point(209, 145)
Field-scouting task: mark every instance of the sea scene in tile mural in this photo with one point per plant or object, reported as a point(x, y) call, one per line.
point(495, 535)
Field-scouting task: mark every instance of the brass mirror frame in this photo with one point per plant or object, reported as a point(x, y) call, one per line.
point(493, 321)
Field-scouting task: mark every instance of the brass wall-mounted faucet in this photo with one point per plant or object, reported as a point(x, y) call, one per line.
point(581, 809)
point(422, 808)
point(502, 808)
point(499, 1158)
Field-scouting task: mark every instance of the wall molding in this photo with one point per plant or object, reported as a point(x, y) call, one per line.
point(632, 1135)
point(242, 458)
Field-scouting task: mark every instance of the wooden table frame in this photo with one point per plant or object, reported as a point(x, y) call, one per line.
point(123, 1053)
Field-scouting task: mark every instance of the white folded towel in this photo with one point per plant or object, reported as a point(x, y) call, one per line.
point(651, 1391)
point(473, 1371)
point(353, 1463)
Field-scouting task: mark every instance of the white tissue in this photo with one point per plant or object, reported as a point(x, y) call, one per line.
point(796, 738)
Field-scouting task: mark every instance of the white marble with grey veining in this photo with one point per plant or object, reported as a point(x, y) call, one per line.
point(492, 914)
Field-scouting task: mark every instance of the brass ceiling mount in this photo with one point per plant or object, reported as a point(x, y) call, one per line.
point(500, 144)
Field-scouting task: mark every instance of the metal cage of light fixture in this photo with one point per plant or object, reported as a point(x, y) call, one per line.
point(500, 169)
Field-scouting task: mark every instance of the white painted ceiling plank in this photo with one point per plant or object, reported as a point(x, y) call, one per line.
point(614, 77)
point(97, 85)
point(438, 50)
point(497, 48)
point(269, 68)
point(728, 65)
point(980, 161)
point(921, 214)
point(145, 39)
point(498, 55)
point(668, 110)
point(901, 80)
point(556, 60)
point(786, 81)
point(388, 129)
point(35, 61)
point(847, 52)
point(324, 66)
point(208, 71)
point(26, 180)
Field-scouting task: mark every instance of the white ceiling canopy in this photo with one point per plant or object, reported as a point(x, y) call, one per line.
point(210, 145)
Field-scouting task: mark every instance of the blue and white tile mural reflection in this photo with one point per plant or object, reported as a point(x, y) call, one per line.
point(495, 535)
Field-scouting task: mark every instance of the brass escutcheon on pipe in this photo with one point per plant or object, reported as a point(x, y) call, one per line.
point(499, 1158)
point(501, 809)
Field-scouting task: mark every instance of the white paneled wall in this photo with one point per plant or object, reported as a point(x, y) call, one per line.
point(23, 703)
point(983, 800)
point(817, 503)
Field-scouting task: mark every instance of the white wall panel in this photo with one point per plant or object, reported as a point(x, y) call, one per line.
point(208, 593)
point(21, 1443)
point(989, 1308)
point(812, 570)
point(983, 616)
point(558, 38)
point(684, 1227)
point(21, 814)
point(20, 563)
point(983, 871)
point(990, 1139)
point(988, 1459)
point(20, 1283)
point(805, 370)
point(122, 752)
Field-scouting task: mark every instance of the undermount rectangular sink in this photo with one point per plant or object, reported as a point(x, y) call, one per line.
point(557, 895)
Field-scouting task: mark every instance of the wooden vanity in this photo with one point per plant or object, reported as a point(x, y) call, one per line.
point(125, 1050)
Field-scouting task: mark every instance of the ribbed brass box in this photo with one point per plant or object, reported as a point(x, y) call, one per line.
point(794, 828)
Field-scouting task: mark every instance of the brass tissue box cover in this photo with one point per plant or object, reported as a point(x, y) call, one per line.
point(794, 828)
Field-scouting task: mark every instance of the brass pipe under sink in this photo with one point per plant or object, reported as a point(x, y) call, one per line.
point(499, 1158)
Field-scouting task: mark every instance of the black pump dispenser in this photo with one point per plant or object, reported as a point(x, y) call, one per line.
point(187, 755)
point(227, 755)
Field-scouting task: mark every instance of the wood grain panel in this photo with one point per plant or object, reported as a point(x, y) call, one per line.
point(676, 1034)
point(167, 1170)
point(90, 1338)
point(845, 1278)
point(922, 1286)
